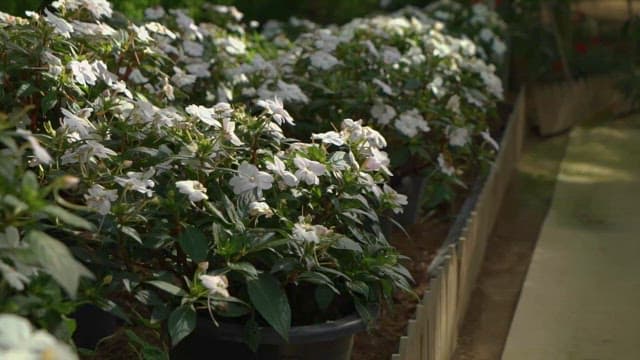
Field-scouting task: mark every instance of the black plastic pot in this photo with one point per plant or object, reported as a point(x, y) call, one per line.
point(93, 324)
point(331, 340)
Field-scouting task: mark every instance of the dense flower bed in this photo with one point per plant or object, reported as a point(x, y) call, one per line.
point(154, 169)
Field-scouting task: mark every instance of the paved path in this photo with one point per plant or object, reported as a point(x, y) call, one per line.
point(581, 296)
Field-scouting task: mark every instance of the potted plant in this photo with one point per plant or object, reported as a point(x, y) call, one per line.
point(199, 212)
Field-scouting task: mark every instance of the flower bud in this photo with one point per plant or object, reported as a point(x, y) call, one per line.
point(203, 266)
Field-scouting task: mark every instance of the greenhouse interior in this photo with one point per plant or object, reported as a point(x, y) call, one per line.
point(319, 180)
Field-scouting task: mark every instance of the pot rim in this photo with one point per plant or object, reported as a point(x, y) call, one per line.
point(327, 331)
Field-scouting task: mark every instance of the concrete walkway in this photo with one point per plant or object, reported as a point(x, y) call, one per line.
point(581, 296)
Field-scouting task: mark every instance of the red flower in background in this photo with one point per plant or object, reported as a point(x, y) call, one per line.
point(581, 48)
point(557, 66)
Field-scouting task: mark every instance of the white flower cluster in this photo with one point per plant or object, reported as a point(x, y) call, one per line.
point(19, 340)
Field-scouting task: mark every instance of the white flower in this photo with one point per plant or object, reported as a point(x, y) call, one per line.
point(78, 124)
point(167, 89)
point(385, 88)
point(436, 87)
point(257, 208)
point(396, 199)
point(383, 113)
point(39, 152)
point(216, 284)
point(309, 170)
point(352, 130)
point(101, 71)
point(60, 25)
point(141, 33)
point(154, 13)
point(83, 72)
point(309, 233)
point(374, 138)
point(250, 177)
point(211, 116)
point(137, 77)
point(228, 129)
point(371, 47)
point(379, 160)
point(138, 181)
point(499, 47)
point(444, 166)
point(454, 104)
point(99, 199)
point(194, 189)
point(18, 340)
point(492, 82)
point(487, 137)
point(390, 55)
point(486, 35)
point(98, 8)
point(200, 69)
point(93, 29)
point(181, 78)
point(233, 45)
point(193, 48)
point(323, 60)
point(276, 109)
point(458, 136)
point(285, 91)
point(87, 152)
point(14, 278)
point(410, 122)
point(187, 24)
point(158, 28)
point(329, 137)
point(278, 168)
point(231, 10)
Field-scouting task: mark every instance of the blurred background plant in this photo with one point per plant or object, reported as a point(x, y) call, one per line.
point(321, 11)
point(554, 40)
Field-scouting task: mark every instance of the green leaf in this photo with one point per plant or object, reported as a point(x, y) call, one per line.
point(130, 232)
point(26, 89)
point(168, 287)
point(57, 261)
point(210, 206)
point(18, 205)
point(182, 322)
point(270, 300)
point(149, 351)
point(194, 243)
point(358, 287)
point(68, 217)
point(324, 297)
point(252, 334)
point(245, 268)
point(344, 243)
point(318, 279)
point(49, 101)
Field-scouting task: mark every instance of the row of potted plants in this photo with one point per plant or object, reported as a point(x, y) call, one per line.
point(154, 170)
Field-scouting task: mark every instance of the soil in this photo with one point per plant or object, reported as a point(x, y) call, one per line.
point(382, 340)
